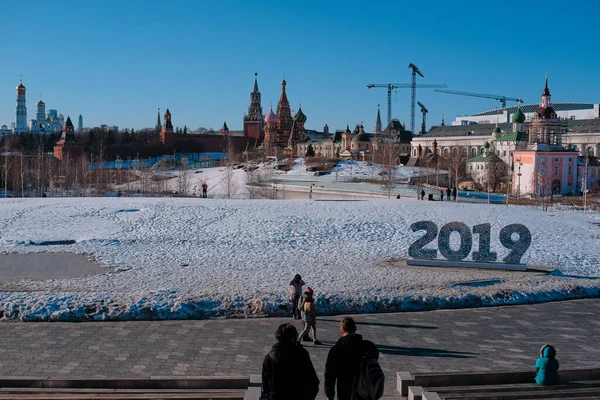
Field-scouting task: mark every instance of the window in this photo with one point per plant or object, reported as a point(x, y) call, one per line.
point(504, 153)
point(556, 170)
point(556, 159)
point(570, 170)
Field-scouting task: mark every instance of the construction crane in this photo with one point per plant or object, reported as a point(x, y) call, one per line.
point(500, 98)
point(392, 86)
point(424, 111)
point(413, 94)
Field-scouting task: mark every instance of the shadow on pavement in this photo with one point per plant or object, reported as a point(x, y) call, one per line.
point(383, 324)
point(423, 352)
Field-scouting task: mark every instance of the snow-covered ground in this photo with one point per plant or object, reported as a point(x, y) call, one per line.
point(200, 258)
point(220, 181)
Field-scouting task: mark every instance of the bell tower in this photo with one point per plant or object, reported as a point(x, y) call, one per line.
point(21, 111)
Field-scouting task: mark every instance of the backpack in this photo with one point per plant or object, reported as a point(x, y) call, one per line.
point(369, 383)
point(308, 309)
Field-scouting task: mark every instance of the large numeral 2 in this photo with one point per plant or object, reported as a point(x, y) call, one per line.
point(416, 249)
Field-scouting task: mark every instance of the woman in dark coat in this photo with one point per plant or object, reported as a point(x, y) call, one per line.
point(288, 372)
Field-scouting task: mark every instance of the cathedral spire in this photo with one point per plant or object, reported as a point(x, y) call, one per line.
point(378, 121)
point(158, 123)
point(284, 113)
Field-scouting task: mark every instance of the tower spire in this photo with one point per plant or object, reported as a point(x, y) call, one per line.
point(255, 83)
point(378, 121)
point(158, 124)
point(546, 90)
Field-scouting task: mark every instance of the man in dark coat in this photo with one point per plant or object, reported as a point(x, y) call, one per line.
point(343, 360)
point(288, 372)
point(448, 192)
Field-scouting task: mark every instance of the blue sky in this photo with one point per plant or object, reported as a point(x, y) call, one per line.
point(116, 62)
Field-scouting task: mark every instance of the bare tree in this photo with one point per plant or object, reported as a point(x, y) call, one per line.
point(456, 165)
point(387, 154)
point(497, 171)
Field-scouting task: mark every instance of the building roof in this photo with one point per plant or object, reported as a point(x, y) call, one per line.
point(300, 117)
point(518, 116)
point(464, 130)
point(362, 136)
point(512, 137)
point(395, 126)
point(583, 126)
point(531, 108)
point(271, 117)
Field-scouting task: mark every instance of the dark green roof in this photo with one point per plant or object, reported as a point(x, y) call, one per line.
point(518, 117)
point(512, 137)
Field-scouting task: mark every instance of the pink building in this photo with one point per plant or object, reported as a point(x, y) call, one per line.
point(544, 165)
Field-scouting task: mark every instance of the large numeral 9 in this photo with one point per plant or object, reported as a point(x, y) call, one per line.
point(517, 248)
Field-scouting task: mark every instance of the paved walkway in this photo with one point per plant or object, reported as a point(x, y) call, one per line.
point(472, 339)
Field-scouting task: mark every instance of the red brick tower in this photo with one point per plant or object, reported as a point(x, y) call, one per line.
point(166, 134)
point(254, 120)
point(67, 145)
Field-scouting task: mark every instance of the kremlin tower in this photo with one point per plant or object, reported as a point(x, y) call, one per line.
point(253, 121)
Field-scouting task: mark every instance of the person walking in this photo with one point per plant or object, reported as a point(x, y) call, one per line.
point(295, 293)
point(204, 190)
point(441, 195)
point(309, 317)
point(343, 361)
point(287, 370)
point(448, 192)
point(454, 193)
point(422, 194)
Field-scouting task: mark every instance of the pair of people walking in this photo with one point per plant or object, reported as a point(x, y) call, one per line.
point(304, 308)
point(289, 363)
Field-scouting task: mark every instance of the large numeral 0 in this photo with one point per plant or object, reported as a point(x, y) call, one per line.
point(466, 241)
point(519, 247)
point(416, 249)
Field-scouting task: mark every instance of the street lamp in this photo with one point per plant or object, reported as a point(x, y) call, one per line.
point(519, 175)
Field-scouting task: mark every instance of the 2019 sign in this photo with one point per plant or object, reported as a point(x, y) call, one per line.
point(517, 248)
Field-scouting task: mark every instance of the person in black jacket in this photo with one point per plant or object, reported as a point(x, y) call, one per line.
point(288, 372)
point(343, 360)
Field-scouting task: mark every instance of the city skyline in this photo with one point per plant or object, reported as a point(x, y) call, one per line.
point(199, 60)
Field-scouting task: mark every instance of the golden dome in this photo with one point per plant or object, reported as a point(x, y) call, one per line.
point(41, 103)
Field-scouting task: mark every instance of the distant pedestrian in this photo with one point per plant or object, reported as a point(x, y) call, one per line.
point(441, 195)
point(448, 192)
point(309, 317)
point(204, 190)
point(287, 371)
point(344, 361)
point(398, 196)
point(454, 193)
point(295, 293)
point(422, 194)
point(547, 366)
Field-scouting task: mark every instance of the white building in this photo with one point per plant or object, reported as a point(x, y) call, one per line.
point(567, 111)
point(42, 123)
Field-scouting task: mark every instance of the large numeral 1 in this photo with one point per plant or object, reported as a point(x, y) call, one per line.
point(416, 249)
point(484, 253)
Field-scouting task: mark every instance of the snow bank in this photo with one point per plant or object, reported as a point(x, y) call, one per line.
point(202, 258)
